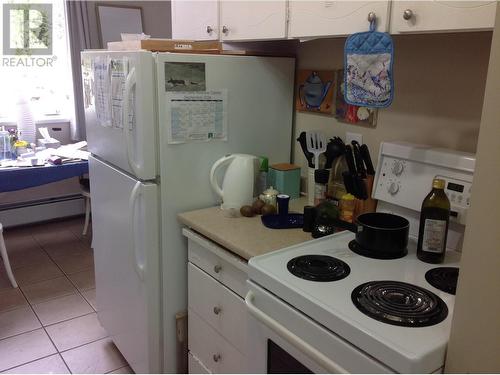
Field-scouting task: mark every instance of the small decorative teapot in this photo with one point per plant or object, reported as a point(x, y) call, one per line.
point(313, 91)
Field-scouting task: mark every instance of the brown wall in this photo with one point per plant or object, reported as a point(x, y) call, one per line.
point(475, 338)
point(439, 86)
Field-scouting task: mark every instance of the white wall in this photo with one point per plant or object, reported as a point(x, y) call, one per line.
point(475, 337)
point(439, 88)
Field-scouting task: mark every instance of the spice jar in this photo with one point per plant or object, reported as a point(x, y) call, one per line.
point(347, 206)
point(269, 196)
point(320, 185)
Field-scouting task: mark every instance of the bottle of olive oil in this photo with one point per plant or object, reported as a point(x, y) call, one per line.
point(434, 220)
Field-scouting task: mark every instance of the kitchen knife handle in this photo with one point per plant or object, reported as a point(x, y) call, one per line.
point(350, 160)
point(358, 160)
point(365, 154)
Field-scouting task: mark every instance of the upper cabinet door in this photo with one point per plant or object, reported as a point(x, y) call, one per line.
point(335, 18)
point(437, 16)
point(253, 20)
point(195, 20)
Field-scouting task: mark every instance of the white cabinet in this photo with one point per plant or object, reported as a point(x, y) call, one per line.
point(216, 308)
point(441, 16)
point(195, 20)
point(253, 20)
point(334, 18)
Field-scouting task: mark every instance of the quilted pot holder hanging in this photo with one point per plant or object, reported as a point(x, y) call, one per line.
point(368, 61)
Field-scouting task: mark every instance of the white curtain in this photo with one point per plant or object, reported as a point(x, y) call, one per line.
point(78, 26)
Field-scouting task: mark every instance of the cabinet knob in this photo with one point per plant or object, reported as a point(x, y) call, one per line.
point(217, 310)
point(209, 29)
point(407, 14)
point(217, 268)
point(216, 357)
point(372, 17)
point(225, 30)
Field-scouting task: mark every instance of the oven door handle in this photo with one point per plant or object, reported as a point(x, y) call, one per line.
point(293, 339)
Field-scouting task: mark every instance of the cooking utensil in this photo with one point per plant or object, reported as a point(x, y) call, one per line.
point(360, 165)
point(316, 144)
point(378, 234)
point(348, 175)
point(334, 149)
point(303, 144)
point(351, 179)
point(365, 154)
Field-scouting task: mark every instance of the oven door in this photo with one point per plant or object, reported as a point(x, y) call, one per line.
point(283, 340)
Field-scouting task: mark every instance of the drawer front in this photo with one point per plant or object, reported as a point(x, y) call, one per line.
point(218, 306)
point(219, 268)
point(218, 355)
point(195, 366)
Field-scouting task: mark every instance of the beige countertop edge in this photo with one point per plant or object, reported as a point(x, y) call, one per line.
point(245, 237)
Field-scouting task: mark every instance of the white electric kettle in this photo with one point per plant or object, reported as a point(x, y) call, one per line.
point(238, 187)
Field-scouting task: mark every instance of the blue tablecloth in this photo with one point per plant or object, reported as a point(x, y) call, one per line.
point(25, 177)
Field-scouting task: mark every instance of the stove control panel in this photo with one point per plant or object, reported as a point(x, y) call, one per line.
point(405, 173)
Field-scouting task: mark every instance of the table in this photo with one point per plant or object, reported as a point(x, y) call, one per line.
point(18, 178)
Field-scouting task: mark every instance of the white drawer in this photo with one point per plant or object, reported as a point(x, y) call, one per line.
point(218, 262)
point(218, 306)
point(218, 355)
point(195, 366)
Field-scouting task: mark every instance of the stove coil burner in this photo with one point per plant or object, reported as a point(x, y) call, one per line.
point(443, 278)
point(399, 303)
point(358, 249)
point(318, 268)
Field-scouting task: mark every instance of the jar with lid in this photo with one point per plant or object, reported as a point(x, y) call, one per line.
point(320, 185)
point(269, 196)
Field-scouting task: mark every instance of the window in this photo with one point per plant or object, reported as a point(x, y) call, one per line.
point(34, 59)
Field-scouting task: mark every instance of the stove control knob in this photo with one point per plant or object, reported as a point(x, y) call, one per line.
point(393, 188)
point(398, 168)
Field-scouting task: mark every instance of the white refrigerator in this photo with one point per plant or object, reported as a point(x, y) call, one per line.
point(156, 122)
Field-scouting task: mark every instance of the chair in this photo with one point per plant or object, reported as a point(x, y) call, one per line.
point(85, 186)
point(5, 257)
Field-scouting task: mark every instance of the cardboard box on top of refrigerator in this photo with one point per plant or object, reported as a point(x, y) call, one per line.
point(166, 45)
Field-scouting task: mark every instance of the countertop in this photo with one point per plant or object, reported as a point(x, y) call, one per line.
point(244, 236)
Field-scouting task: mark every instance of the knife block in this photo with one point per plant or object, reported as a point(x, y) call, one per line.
point(367, 205)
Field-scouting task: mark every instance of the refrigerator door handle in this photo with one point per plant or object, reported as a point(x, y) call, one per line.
point(130, 82)
point(138, 262)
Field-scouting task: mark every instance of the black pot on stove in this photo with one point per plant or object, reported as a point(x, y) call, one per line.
point(378, 235)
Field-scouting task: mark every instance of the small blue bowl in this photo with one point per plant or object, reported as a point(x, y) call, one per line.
point(283, 221)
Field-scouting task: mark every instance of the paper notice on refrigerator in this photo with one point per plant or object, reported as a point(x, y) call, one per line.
point(197, 116)
point(119, 71)
point(102, 91)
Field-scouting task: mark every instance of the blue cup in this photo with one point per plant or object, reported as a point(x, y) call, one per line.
point(283, 201)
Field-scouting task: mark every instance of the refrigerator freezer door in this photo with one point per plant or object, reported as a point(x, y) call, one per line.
point(126, 252)
point(259, 117)
point(120, 116)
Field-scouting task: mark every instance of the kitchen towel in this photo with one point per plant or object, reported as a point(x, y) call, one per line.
point(368, 61)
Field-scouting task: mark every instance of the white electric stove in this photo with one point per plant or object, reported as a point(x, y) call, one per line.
point(349, 324)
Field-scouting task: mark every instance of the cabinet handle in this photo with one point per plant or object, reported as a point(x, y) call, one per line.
point(407, 14)
point(209, 30)
point(217, 310)
point(225, 30)
point(216, 357)
point(372, 17)
point(217, 268)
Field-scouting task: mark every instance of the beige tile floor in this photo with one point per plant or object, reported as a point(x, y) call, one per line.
point(49, 324)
